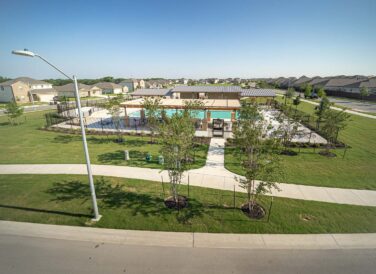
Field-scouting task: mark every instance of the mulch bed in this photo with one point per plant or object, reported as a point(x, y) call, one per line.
point(258, 212)
point(327, 154)
point(289, 152)
point(171, 203)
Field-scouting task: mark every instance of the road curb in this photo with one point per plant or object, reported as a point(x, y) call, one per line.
point(189, 239)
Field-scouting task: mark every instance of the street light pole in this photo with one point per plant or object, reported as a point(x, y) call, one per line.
point(88, 164)
point(86, 150)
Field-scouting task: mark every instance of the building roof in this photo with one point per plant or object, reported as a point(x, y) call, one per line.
point(258, 92)
point(235, 89)
point(70, 87)
point(129, 81)
point(371, 83)
point(301, 80)
point(318, 81)
point(44, 91)
point(26, 80)
point(107, 85)
point(152, 92)
point(341, 82)
point(214, 104)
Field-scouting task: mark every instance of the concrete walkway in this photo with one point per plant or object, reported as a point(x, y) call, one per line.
point(212, 175)
point(208, 176)
point(191, 239)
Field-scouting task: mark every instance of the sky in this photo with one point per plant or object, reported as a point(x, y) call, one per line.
point(189, 38)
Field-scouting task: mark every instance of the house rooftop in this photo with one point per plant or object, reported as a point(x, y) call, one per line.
point(341, 82)
point(107, 85)
point(70, 87)
point(226, 89)
point(258, 92)
point(26, 80)
point(152, 92)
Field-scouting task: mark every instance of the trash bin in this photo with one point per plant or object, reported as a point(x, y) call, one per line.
point(160, 160)
point(148, 157)
point(126, 155)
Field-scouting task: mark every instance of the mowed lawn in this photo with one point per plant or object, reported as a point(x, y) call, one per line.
point(27, 144)
point(137, 204)
point(355, 170)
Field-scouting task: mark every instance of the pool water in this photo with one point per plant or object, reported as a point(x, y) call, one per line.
point(199, 114)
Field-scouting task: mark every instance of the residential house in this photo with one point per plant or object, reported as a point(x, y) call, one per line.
point(344, 84)
point(25, 89)
point(133, 84)
point(318, 82)
point(183, 81)
point(68, 90)
point(370, 84)
point(111, 88)
point(300, 82)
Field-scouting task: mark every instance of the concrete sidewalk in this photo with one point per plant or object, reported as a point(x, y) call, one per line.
point(189, 239)
point(205, 177)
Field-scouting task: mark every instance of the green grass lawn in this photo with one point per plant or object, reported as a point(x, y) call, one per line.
point(27, 144)
point(356, 170)
point(137, 204)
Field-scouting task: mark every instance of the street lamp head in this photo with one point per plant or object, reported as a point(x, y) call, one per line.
point(24, 52)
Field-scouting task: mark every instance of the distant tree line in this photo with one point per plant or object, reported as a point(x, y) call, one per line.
point(3, 79)
point(61, 82)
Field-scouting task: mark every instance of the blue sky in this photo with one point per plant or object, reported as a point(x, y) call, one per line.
point(193, 39)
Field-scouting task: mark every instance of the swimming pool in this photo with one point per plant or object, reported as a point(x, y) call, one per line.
point(199, 114)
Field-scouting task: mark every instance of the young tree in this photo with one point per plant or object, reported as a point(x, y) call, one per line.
point(289, 94)
point(152, 108)
point(288, 128)
point(307, 91)
point(296, 102)
point(333, 123)
point(364, 92)
point(321, 108)
point(113, 108)
point(13, 111)
point(321, 92)
point(177, 134)
point(191, 111)
point(260, 161)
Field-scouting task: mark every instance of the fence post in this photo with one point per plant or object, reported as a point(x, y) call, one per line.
point(188, 185)
point(164, 194)
point(234, 198)
point(344, 153)
point(270, 209)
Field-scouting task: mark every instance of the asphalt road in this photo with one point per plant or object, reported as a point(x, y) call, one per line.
point(357, 105)
point(365, 106)
point(19, 254)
